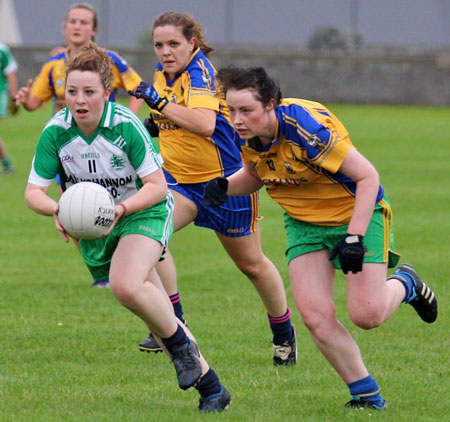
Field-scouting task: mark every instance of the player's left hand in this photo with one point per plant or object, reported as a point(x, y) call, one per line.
point(120, 211)
point(13, 107)
point(149, 94)
point(350, 250)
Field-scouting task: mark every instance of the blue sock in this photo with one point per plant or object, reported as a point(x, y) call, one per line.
point(281, 327)
point(178, 338)
point(366, 389)
point(408, 284)
point(177, 308)
point(209, 384)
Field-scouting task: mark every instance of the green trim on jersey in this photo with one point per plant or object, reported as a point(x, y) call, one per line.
point(116, 156)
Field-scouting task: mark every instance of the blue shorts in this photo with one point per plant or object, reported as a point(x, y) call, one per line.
point(235, 218)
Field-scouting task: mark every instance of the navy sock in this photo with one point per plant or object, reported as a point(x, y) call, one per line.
point(177, 307)
point(281, 327)
point(209, 384)
point(366, 389)
point(178, 338)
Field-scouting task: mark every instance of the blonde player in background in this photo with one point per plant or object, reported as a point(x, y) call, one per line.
point(80, 26)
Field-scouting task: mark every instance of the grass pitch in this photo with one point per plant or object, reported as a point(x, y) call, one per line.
point(69, 352)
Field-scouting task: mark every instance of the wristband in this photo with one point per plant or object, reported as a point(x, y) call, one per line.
point(353, 238)
point(125, 211)
point(161, 104)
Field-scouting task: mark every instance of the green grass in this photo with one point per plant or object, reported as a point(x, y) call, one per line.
point(69, 352)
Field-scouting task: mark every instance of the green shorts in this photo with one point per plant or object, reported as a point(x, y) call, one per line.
point(379, 238)
point(155, 222)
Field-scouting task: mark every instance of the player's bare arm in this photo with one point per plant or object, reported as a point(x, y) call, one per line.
point(135, 105)
point(359, 169)
point(201, 121)
point(152, 192)
point(29, 101)
point(12, 84)
point(244, 182)
point(36, 197)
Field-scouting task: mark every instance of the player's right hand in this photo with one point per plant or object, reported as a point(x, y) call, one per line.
point(149, 94)
point(58, 224)
point(24, 92)
point(151, 126)
point(215, 193)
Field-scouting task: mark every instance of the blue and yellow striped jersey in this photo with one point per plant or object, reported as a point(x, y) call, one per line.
point(189, 157)
point(300, 168)
point(51, 80)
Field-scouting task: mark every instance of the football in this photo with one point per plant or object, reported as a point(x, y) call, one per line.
point(86, 210)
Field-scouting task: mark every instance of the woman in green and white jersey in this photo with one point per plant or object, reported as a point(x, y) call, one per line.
point(103, 142)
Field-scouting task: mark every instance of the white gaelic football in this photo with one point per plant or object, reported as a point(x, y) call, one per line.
point(86, 210)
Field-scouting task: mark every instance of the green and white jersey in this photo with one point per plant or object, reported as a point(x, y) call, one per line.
point(117, 155)
point(7, 66)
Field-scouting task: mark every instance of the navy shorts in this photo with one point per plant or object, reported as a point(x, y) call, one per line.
point(235, 218)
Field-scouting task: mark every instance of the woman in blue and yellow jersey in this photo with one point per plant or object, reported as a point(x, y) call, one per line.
point(336, 217)
point(79, 28)
point(196, 141)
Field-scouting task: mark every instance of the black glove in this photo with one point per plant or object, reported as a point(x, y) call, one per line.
point(151, 126)
point(351, 253)
point(215, 192)
point(149, 94)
